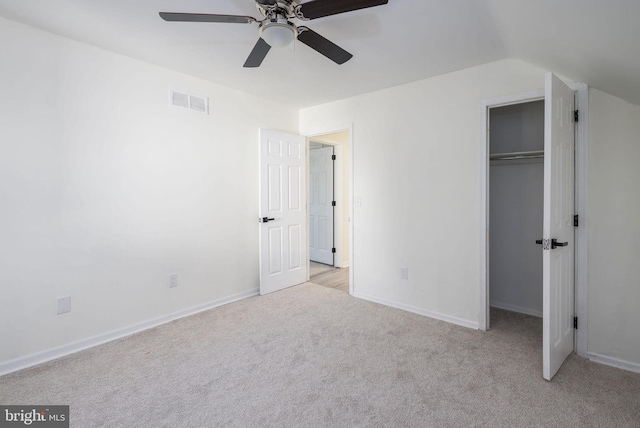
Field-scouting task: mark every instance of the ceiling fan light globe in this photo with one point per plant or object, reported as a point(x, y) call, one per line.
point(278, 35)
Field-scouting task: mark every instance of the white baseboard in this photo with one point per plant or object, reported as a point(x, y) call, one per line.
point(442, 317)
point(64, 350)
point(614, 362)
point(512, 308)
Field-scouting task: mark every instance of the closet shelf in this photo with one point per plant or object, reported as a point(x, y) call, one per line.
point(518, 155)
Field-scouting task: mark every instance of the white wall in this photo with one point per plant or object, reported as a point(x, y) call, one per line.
point(416, 170)
point(106, 190)
point(614, 229)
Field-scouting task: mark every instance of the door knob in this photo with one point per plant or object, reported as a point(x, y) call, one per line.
point(265, 220)
point(555, 243)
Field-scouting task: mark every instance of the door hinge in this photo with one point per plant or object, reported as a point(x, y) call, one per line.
point(333, 250)
point(576, 221)
point(576, 115)
point(333, 157)
point(333, 203)
point(575, 322)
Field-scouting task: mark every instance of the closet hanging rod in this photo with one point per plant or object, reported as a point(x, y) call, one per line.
point(536, 154)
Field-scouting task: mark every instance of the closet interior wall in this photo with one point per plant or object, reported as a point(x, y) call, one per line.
point(516, 202)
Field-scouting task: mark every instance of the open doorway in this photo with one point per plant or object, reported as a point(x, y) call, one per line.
point(516, 189)
point(329, 209)
point(322, 203)
point(516, 198)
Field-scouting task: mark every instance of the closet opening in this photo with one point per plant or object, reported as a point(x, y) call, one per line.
point(512, 137)
point(516, 192)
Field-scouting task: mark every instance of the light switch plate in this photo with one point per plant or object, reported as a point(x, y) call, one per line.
point(173, 280)
point(64, 305)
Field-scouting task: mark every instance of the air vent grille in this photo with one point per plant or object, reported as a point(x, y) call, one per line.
point(185, 100)
point(198, 103)
point(179, 99)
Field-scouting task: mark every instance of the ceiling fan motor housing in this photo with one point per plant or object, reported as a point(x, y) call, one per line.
point(278, 33)
point(286, 9)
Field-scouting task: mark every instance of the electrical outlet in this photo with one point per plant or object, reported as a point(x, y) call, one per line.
point(404, 273)
point(64, 305)
point(173, 280)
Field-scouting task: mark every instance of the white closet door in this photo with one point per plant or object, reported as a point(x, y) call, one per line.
point(558, 230)
point(320, 205)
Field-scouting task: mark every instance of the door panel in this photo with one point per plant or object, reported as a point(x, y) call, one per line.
point(320, 205)
point(295, 250)
point(282, 172)
point(275, 250)
point(558, 262)
point(274, 186)
point(295, 197)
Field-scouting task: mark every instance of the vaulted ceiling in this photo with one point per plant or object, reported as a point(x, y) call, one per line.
point(592, 41)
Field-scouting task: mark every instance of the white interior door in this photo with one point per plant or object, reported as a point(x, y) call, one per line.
point(558, 230)
point(283, 213)
point(320, 205)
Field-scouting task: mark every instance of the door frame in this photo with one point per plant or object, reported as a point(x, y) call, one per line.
point(339, 182)
point(581, 199)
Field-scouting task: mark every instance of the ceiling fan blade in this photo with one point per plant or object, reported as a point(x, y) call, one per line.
point(206, 17)
point(319, 8)
point(257, 55)
point(327, 48)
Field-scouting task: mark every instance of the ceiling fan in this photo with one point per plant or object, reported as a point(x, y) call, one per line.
point(276, 29)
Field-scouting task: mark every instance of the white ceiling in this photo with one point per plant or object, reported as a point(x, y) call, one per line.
point(593, 41)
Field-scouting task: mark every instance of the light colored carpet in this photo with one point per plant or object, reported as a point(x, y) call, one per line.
point(310, 356)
